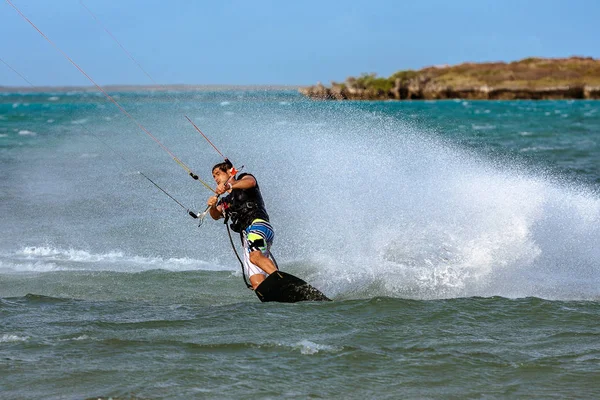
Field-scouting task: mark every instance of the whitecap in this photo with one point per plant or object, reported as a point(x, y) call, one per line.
point(38, 266)
point(25, 132)
point(50, 121)
point(77, 338)
point(88, 155)
point(308, 348)
point(225, 103)
point(538, 148)
point(54, 98)
point(485, 127)
point(13, 338)
point(3, 135)
point(45, 259)
point(79, 121)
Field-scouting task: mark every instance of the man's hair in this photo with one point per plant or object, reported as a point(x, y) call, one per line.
point(223, 166)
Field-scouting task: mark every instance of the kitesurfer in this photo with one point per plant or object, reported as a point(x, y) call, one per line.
point(244, 207)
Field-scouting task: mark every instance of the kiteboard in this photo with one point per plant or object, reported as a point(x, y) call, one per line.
point(287, 288)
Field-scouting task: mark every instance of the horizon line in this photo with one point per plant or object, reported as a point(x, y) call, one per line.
point(143, 87)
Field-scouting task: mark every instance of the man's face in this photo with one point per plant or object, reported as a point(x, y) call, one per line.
point(220, 176)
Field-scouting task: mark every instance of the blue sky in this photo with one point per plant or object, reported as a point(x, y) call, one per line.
point(282, 42)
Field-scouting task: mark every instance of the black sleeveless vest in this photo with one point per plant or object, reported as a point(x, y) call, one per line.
point(243, 206)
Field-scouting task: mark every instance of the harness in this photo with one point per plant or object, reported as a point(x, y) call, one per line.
point(244, 206)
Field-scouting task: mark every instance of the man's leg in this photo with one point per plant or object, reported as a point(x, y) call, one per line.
point(263, 262)
point(257, 243)
point(260, 263)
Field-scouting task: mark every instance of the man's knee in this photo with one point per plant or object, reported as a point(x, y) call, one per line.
point(256, 280)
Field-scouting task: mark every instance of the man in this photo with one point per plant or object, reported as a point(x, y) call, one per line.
point(245, 207)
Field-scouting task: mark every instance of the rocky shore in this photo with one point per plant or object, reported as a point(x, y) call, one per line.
point(531, 78)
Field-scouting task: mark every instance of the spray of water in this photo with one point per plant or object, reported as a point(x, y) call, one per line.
point(370, 206)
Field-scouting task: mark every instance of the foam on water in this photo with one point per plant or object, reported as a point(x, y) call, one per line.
point(308, 347)
point(46, 259)
point(8, 338)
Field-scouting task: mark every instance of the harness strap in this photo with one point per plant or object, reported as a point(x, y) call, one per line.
point(248, 285)
point(274, 261)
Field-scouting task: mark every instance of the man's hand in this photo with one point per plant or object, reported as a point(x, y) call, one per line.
point(212, 201)
point(222, 188)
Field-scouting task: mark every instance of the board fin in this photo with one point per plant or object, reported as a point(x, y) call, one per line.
point(287, 288)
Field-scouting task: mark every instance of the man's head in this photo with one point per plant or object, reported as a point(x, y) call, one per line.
point(221, 171)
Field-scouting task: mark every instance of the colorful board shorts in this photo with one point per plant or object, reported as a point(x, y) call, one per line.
point(257, 237)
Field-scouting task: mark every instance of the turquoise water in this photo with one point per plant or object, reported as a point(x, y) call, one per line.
point(458, 239)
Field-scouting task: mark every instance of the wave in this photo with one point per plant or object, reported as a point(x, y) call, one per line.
point(9, 338)
point(48, 259)
point(304, 347)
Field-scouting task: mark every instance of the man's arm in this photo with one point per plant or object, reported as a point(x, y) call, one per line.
point(214, 209)
point(246, 182)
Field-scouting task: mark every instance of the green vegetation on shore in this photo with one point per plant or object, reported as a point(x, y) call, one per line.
point(530, 78)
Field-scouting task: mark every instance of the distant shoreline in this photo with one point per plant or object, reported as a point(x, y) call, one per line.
point(143, 88)
point(527, 79)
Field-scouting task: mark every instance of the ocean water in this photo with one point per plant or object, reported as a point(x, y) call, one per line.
point(459, 240)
